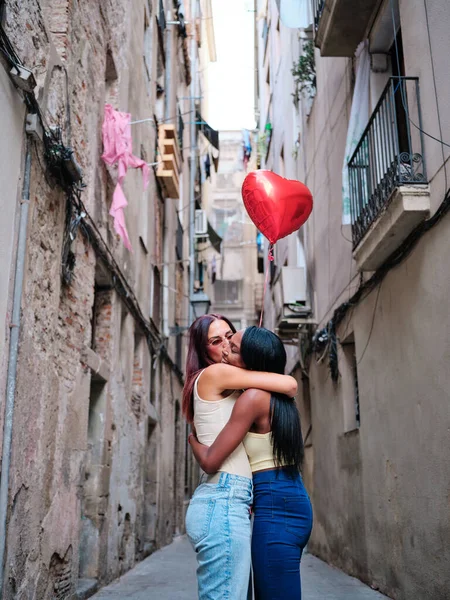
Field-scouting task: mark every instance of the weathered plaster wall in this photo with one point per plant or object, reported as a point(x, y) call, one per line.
point(380, 491)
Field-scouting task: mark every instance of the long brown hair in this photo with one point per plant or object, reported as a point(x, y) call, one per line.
point(197, 357)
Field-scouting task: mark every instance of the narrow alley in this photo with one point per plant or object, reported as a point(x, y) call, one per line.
point(258, 190)
point(153, 579)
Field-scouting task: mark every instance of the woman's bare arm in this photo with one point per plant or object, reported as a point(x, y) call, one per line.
point(217, 378)
point(250, 405)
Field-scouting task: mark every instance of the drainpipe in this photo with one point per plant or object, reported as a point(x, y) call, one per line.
point(193, 141)
point(12, 360)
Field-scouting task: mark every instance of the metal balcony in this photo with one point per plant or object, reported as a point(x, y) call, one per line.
point(389, 155)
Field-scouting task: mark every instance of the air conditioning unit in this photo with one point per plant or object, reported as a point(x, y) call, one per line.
point(293, 302)
point(201, 223)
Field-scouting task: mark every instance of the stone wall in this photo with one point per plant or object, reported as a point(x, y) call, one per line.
point(98, 459)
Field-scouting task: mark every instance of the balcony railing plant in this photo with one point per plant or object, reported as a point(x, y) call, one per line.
point(389, 154)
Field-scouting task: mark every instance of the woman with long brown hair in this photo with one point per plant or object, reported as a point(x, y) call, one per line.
point(218, 517)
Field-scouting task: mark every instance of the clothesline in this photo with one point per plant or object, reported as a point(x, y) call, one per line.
point(162, 120)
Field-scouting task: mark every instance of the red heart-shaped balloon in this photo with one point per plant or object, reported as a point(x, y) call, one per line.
point(277, 206)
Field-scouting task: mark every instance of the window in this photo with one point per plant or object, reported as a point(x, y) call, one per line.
point(124, 338)
point(265, 36)
point(111, 79)
point(267, 94)
point(222, 219)
point(148, 38)
point(156, 297)
point(179, 349)
point(260, 264)
point(227, 292)
point(301, 260)
point(143, 211)
point(138, 392)
point(160, 70)
point(398, 70)
point(281, 169)
point(278, 46)
point(260, 251)
point(349, 385)
point(179, 240)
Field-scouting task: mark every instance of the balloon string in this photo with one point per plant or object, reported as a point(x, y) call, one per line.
point(270, 259)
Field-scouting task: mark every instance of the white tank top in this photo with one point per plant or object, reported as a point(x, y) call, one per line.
point(210, 417)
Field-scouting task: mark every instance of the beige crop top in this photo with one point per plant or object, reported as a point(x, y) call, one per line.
point(259, 448)
point(210, 417)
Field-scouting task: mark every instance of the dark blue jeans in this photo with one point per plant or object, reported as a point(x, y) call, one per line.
point(281, 528)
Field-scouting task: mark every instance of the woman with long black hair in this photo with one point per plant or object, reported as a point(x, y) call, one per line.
point(268, 424)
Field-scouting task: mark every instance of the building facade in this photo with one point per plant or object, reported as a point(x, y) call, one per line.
point(95, 468)
point(230, 265)
point(352, 101)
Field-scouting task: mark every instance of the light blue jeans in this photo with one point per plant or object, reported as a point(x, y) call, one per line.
point(218, 527)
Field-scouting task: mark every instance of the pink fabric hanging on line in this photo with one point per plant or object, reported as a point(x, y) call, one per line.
point(118, 148)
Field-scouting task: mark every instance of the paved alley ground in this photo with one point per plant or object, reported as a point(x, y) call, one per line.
point(169, 574)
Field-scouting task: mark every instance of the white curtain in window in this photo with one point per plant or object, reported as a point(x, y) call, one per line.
point(295, 14)
point(359, 117)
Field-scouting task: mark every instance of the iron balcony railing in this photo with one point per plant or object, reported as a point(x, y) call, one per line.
point(389, 154)
point(317, 11)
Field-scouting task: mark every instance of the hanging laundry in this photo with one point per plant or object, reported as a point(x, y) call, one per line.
point(118, 148)
point(208, 167)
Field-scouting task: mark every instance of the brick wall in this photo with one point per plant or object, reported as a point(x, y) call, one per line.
point(83, 54)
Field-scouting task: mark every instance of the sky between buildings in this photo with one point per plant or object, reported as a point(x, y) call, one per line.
point(231, 78)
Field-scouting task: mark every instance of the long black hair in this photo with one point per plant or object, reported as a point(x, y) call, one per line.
point(262, 350)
